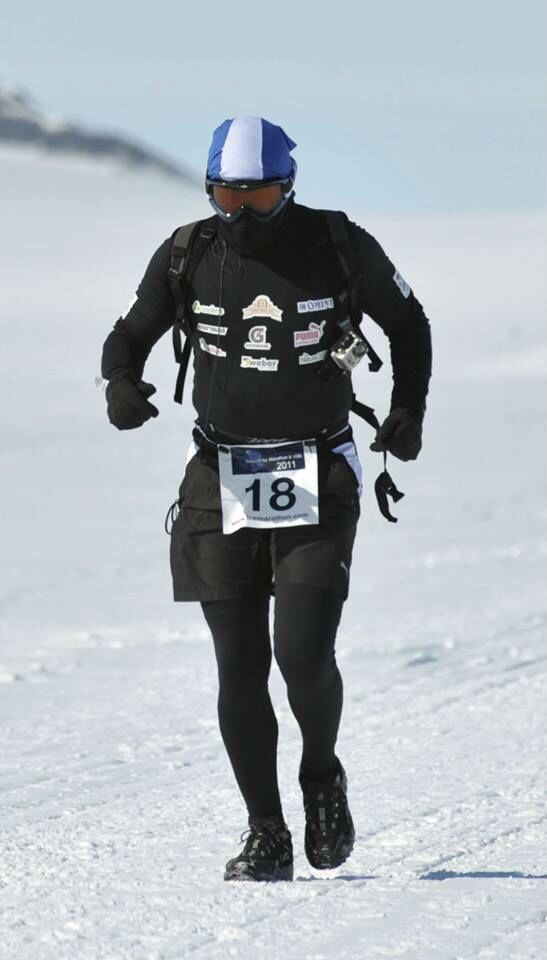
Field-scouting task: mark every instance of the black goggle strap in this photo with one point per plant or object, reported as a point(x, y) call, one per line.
point(384, 486)
point(246, 185)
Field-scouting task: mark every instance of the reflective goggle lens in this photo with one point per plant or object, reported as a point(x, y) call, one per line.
point(261, 199)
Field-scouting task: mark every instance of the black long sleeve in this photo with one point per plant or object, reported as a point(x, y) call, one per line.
point(388, 300)
point(383, 295)
point(150, 316)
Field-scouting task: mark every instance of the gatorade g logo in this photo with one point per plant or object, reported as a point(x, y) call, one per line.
point(257, 339)
point(262, 306)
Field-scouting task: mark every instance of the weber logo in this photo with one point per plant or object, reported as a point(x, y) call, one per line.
point(260, 363)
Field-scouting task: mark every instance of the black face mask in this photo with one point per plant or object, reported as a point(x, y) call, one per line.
point(248, 235)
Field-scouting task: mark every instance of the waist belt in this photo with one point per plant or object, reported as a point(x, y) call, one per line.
point(325, 439)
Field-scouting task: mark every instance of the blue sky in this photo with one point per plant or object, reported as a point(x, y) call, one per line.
point(399, 107)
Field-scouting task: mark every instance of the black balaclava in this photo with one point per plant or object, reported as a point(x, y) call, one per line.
point(248, 235)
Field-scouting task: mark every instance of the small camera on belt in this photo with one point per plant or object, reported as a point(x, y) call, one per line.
point(349, 350)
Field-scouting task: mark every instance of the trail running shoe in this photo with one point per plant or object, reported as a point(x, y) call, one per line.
point(267, 854)
point(330, 833)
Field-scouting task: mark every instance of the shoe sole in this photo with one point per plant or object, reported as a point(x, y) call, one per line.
point(330, 861)
point(326, 864)
point(280, 874)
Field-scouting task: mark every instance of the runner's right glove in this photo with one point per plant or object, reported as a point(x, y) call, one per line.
point(127, 403)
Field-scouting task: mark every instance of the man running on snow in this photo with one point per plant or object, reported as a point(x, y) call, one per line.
point(269, 502)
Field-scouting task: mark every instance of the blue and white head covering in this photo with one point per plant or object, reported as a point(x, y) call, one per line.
point(250, 148)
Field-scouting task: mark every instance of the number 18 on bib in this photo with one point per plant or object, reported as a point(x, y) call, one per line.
point(269, 485)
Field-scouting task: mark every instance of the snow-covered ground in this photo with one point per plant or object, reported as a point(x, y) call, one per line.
point(118, 806)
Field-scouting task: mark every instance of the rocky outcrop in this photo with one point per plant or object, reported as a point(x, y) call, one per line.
point(22, 123)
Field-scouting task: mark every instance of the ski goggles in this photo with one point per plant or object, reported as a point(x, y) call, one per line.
point(230, 199)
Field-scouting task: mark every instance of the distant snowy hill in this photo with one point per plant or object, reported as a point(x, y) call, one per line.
point(22, 123)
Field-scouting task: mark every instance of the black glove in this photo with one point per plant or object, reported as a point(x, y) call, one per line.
point(400, 434)
point(128, 406)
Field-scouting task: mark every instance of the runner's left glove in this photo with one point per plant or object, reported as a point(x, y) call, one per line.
point(400, 434)
point(127, 401)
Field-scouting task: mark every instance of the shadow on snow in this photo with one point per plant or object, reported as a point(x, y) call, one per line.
point(483, 875)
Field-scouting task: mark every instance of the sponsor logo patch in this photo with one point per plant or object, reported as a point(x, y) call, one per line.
point(257, 339)
point(402, 284)
point(211, 328)
point(208, 308)
point(306, 338)
point(260, 363)
point(312, 357)
point(211, 348)
point(262, 306)
point(311, 306)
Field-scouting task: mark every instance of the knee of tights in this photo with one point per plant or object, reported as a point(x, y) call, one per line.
point(243, 682)
point(306, 672)
point(242, 667)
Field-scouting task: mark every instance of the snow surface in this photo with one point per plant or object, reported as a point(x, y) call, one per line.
point(118, 805)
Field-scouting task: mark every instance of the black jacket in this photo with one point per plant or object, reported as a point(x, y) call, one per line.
point(261, 325)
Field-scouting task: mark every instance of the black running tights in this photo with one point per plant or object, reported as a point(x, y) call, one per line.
point(305, 624)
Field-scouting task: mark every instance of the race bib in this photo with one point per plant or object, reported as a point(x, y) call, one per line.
point(269, 485)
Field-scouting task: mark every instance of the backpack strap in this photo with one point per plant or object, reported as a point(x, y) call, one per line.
point(189, 244)
point(349, 295)
point(384, 486)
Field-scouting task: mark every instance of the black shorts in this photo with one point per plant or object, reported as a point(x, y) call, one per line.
point(207, 564)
